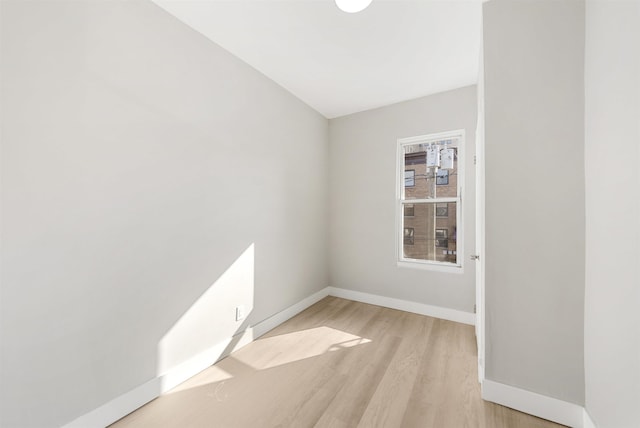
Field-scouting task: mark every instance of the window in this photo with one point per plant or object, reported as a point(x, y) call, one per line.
point(442, 177)
point(429, 201)
point(442, 243)
point(409, 178)
point(409, 210)
point(408, 236)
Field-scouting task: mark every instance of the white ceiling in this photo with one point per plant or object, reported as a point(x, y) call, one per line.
point(342, 63)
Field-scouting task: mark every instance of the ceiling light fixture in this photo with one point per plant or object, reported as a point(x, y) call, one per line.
point(352, 6)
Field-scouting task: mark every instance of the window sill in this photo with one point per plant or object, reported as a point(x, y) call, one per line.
point(436, 267)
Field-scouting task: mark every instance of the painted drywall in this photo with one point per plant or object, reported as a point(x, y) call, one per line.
point(362, 187)
point(534, 142)
point(480, 223)
point(612, 156)
point(151, 182)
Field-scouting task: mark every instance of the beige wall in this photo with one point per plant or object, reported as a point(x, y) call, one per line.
point(362, 222)
point(534, 143)
point(612, 157)
point(146, 173)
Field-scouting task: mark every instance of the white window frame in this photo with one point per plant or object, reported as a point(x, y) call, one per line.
point(399, 226)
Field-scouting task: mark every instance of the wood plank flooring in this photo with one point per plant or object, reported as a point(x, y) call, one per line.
point(341, 364)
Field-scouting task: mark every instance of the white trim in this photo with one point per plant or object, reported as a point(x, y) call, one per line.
point(587, 422)
point(533, 403)
point(432, 266)
point(293, 310)
point(405, 305)
point(196, 364)
point(525, 401)
point(121, 406)
point(429, 201)
point(201, 361)
point(399, 218)
point(479, 172)
point(430, 137)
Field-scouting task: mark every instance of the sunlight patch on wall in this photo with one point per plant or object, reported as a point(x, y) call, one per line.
point(201, 335)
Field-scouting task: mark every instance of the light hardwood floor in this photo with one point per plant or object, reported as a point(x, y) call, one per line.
point(341, 364)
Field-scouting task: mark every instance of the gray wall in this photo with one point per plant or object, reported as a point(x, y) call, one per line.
point(139, 162)
point(534, 133)
point(612, 156)
point(362, 188)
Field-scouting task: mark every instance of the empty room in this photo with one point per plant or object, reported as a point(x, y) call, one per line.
point(320, 213)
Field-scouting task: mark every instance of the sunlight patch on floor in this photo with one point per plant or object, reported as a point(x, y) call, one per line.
point(287, 348)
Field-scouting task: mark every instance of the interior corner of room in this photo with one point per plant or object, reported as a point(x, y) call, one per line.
point(176, 184)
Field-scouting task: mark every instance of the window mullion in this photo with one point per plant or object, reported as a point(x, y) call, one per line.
point(431, 171)
point(429, 201)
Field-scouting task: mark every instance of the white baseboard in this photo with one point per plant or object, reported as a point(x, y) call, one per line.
point(205, 359)
point(118, 407)
point(199, 362)
point(138, 397)
point(535, 404)
point(587, 421)
point(277, 319)
point(405, 305)
point(529, 402)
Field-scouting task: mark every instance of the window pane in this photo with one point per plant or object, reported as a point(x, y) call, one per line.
point(408, 210)
point(447, 174)
point(433, 232)
point(422, 185)
point(431, 169)
point(408, 236)
point(409, 177)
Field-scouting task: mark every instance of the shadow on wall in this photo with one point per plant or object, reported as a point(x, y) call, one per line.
point(208, 330)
